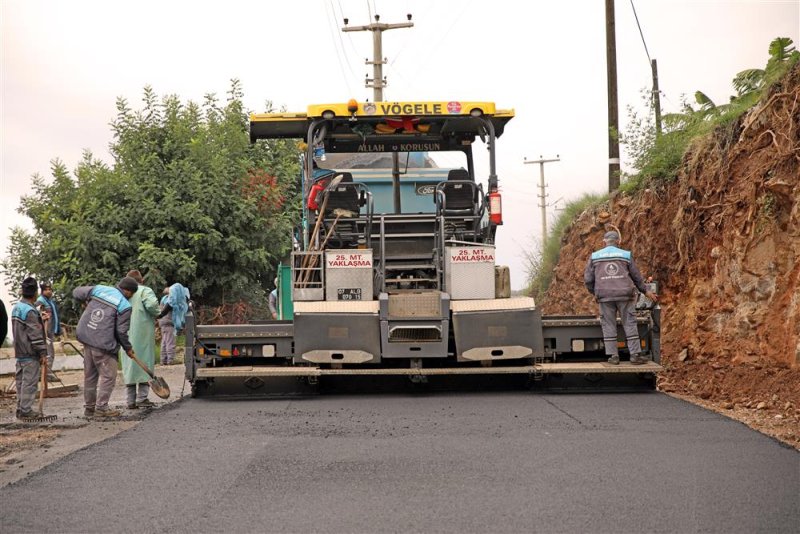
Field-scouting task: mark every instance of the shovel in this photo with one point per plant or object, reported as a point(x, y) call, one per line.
point(157, 384)
point(42, 395)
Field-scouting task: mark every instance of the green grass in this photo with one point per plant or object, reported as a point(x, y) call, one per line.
point(540, 268)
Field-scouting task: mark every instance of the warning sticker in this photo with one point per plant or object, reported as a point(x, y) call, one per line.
point(472, 255)
point(355, 260)
point(454, 107)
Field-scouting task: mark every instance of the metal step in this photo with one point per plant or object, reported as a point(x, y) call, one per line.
point(398, 280)
point(409, 266)
point(546, 368)
point(401, 235)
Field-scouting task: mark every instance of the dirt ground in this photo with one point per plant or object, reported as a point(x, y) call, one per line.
point(766, 399)
point(723, 241)
point(28, 447)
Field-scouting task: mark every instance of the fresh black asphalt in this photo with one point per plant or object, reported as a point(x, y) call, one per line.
point(502, 461)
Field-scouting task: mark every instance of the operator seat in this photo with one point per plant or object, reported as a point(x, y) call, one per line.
point(460, 198)
point(343, 196)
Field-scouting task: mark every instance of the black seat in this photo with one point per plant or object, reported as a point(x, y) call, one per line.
point(344, 196)
point(459, 174)
point(460, 198)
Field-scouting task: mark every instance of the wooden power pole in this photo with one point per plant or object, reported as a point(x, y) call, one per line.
point(542, 192)
point(656, 97)
point(613, 113)
point(378, 81)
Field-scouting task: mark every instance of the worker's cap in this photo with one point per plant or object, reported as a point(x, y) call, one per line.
point(611, 236)
point(128, 283)
point(29, 287)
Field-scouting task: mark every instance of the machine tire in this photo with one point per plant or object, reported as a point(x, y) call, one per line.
point(199, 387)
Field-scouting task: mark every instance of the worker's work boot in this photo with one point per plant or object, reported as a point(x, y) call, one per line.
point(637, 360)
point(106, 412)
point(614, 360)
point(30, 414)
point(88, 411)
point(146, 403)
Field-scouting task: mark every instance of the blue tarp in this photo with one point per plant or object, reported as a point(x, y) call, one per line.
point(179, 300)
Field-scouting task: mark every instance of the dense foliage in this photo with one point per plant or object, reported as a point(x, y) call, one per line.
point(188, 199)
point(657, 157)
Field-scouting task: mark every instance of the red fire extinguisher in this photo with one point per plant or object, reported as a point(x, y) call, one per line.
point(495, 207)
point(314, 193)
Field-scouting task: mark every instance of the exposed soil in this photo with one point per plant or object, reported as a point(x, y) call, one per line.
point(724, 243)
point(17, 439)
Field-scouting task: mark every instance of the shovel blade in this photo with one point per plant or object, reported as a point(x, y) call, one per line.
point(160, 387)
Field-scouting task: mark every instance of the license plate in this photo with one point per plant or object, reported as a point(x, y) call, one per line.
point(349, 293)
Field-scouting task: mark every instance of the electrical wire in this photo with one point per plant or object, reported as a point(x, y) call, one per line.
point(650, 61)
point(341, 41)
point(338, 54)
point(416, 21)
point(349, 37)
point(430, 53)
point(369, 9)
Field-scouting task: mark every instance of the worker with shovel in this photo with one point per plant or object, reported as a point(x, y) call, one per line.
point(103, 328)
point(53, 326)
point(30, 348)
point(143, 338)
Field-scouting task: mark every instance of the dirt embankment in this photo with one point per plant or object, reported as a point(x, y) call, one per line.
point(724, 242)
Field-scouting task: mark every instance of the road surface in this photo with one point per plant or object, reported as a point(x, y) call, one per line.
point(507, 461)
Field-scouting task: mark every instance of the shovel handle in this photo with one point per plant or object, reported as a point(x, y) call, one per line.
point(43, 385)
point(133, 357)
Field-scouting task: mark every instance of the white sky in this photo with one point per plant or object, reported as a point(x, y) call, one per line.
point(64, 63)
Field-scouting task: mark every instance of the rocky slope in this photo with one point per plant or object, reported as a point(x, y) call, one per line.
point(724, 243)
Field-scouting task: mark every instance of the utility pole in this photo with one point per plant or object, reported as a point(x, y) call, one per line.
point(378, 81)
point(542, 194)
point(613, 114)
point(656, 97)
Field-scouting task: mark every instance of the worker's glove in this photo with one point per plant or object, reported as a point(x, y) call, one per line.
point(652, 296)
point(129, 352)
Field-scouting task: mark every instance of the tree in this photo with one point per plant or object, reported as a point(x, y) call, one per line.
point(781, 55)
point(187, 199)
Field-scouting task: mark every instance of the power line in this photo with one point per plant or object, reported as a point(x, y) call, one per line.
point(438, 44)
point(649, 61)
point(418, 18)
point(341, 41)
point(349, 37)
point(338, 54)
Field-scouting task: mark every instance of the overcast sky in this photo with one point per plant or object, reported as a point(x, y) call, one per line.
point(65, 62)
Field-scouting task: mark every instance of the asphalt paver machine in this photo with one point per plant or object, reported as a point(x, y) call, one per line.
point(394, 271)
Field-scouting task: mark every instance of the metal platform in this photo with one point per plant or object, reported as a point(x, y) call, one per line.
point(546, 368)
